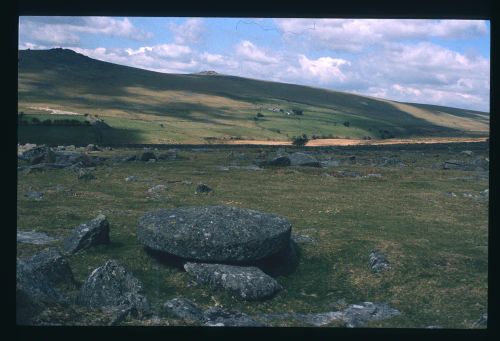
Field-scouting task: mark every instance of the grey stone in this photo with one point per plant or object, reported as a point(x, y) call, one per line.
point(36, 238)
point(280, 161)
point(347, 174)
point(157, 188)
point(168, 156)
point(86, 235)
point(37, 196)
point(303, 159)
point(131, 178)
point(481, 322)
point(202, 188)
point(214, 233)
point(467, 152)
point(85, 174)
point(330, 163)
point(247, 283)
point(184, 309)
point(378, 262)
point(357, 315)
point(39, 280)
point(390, 162)
point(147, 155)
point(221, 317)
point(112, 286)
point(92, 148)
point(303, 239)
point(51, 264)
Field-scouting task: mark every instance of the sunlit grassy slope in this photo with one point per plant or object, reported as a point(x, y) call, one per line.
point(151, 107)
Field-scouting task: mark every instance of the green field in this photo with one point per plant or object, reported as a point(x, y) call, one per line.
point(437, 244)
point(150, 107)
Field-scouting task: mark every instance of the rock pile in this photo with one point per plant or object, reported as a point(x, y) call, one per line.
point(224, 235)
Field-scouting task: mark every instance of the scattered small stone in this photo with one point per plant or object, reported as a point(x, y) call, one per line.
point(186, 182)
point(248, 283)
point(184, 309)
point(222, 168)
point(348, 174)
point(451, 194)
point(374, 175)
point(92, 148)
point(280, 161)
point(330, 163)
point(147, 155)
point(467, 152)
point(157, 188)
point(481, 322)
point(221, 317)
point(303, 239)
point(85, 174)
point(202, 188)
point(92, 233)
point(37, 196)
point(130, 158)
point(36, 238)
point(378, 262)
point(357, 315)
point(131, 178)
point(151, 161)
point(303, 159)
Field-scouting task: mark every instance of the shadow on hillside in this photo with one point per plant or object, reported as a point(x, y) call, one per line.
point(78, 136)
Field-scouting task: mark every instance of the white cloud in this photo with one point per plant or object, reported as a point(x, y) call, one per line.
point(250, 52)
point(356, 34)
point(67, 30)
point(324, 70)
point(191, 31)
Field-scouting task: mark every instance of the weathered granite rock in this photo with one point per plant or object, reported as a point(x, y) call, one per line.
point(184, 309)
point(112, 286)
point(157, 189)
point(248, 283)
point(357, 315)
point(214, 233)
point(168, 156)
point(36, 238)
point(84, 174)
point(202, 188)
point(37, 196)
point(378, 262)
point(482, 322)
point(147, 155)
point(92, 148)
point(51, 264)
point(303, 159)
point(280, 161)
point(221, 317)
point(39, 280)
point(46, 156)
point(88, 234)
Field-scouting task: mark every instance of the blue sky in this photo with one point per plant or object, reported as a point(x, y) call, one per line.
point(443, 62)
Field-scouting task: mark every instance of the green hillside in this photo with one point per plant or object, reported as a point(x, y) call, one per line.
point(150, 107)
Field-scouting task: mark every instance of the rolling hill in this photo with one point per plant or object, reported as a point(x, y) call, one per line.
point(150, 107)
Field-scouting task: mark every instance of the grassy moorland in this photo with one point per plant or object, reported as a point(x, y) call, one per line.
point(436, 243)
point(149, 107)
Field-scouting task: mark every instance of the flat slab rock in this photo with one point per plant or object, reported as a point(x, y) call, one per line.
point(247, 283)
point(214, 233)
point(36, 238)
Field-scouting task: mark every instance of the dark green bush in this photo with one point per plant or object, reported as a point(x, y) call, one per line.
point(300, 140)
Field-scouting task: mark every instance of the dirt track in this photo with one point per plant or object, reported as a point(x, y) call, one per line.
point(353, 142)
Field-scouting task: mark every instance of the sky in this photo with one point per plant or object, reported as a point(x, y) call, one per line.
point(441, 62)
